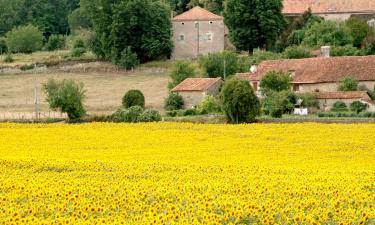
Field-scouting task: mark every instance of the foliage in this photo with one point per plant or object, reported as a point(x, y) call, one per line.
point(128, 59)
point(79, 20)
point(297, 52)
point(55, 42)
point(150, 115)
point(79, 48)
point(308, 100)
point(254, 23)
point(239, 102)
point(278, 103)
point(181, 70)
point(275, 81)
point(182, 113)
point(8, 58)
point(349, 83)
point(327, 33)
point(359, 29)
point(174, 102)
point(3, 46)
point(209, 105)
point(347, 50)
point(339, 106)
point(358, 107)
point(213, 64)
point(143, 25)
point(297, 36)
point(215, 6)
point(260, 56)
point(133, 98)
point(129, 115)
point(67, 96)
point(26, 39)
point(368, 45)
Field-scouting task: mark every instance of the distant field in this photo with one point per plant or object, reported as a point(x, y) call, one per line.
point(104, 90)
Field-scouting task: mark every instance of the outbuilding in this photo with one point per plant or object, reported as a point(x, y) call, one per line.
point(327, 99)
point(194, 90)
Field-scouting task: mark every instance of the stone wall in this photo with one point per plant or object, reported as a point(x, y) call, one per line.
point(192, 98)
point(186, 46)
point(329, 87)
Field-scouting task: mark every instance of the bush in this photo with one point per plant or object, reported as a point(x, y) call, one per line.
point(78, 52)
point(240, 104)
point(347, 50)
point(358, 107)
point(213, 64)
point(129, 115)
point(308, 100)
point(275, 81)
point(297, 52)
point(260, 56)
point(66, 95)
point(349, 83)
point(359, 30)
point(3, 46)
point(26, 39)
point(278, 103)
point(128, 59)
point(133, 98)
point(150, 116)
point(173, 102)
point(339, 107)
point(209, 105)
point(181, 70)
point(368, 45)
point(8, 58)
point(55, 42)
point(27, 67)
point(79, 43)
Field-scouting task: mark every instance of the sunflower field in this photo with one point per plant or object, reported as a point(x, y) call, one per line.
point(177, 173)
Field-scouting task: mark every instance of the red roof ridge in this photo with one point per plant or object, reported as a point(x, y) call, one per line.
point(342, 95)
point(196, 84)
point(197, 13)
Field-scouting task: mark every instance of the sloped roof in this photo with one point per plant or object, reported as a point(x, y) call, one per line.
point(318, 70)
point(196, 84)
point(343, 95)
point(197, 14)
point(328, 6)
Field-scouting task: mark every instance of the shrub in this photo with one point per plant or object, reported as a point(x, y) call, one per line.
point(8, 58)
point(278, 103)
point(349, 83)
point(181, 70)
point(133, 98)
point(150, 116)
point(209, 105)
point(26, 39)
point(173, 102)
point(339, 107)
point(347, 50)
point(358, 107)
point(260, 56)
point(275, 81)
point(78, 52)
point(368, 45)
point(55, 42)
point(297, 52)
point(79, 43)
point(213, 64)
point(66, 95)
point(3, 46)
point(308, 100)
point(240, 104)
point(129, 115)
point(128, 59)
point(359, 30)
point(27, 67)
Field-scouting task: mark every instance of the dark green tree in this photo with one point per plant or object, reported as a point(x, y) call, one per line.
point(275, 81)
point(239, 102)
point(359, 30)
point(254, 23)
point(181, 70)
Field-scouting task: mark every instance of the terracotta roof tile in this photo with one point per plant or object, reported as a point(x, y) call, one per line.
point(318, 70)
point(197, 14)
point(328, 6)
point(343, 95)
point(196, 84)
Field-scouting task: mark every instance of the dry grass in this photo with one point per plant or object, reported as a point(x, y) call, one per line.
point(104, 90)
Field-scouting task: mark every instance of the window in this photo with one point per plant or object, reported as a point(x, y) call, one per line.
point(255, 86)
point(181, 37)
point(296, 87)
point(209, 37)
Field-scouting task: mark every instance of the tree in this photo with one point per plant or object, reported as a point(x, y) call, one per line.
point(67, 96)
point(174, 102)
point(349, 83)
point(240, 104)
point(213, 64)
point(143, 25)
point(297, 52)
point(278, 103)
point(55, 42)
point(3, 46)
point(327, 33)
point(133, 98)
point(275, 81)
point(26, 39)
point(215, 6)
point(359, 30)
point(79, 19)
point(181, 70)
point(254, 23)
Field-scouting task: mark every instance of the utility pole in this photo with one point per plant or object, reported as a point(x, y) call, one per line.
point(36, 95)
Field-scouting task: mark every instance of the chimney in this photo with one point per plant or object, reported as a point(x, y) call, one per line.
point(325, 51)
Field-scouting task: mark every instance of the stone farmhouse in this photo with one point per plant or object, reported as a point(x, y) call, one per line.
point(327, 99)
point(194, 90)
point(332, 9)
point(198, 32)
point(321, 75)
